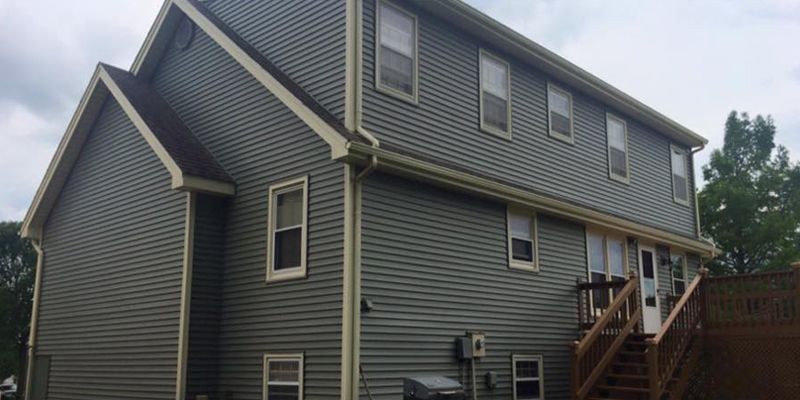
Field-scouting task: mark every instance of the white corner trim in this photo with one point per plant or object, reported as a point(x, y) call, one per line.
point(186, 296)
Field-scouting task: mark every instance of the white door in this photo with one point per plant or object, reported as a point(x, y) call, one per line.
point(648, 276)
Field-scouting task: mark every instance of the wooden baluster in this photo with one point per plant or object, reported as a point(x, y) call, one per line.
point(796, 278)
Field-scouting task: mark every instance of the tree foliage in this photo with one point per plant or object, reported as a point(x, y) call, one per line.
point(17, 260)
point(750, 205)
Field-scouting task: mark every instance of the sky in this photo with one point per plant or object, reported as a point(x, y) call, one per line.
point(693, 61)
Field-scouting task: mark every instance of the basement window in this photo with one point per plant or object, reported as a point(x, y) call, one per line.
point(680, 180)
point(283, 377)
point(528, 377)
point(495, 95)
point(522, 240)
point(559, 110)
point(617, 132)
point(397, 52)
point(288, 223)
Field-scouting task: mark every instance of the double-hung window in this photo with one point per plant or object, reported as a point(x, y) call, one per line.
point(495, 95)
point(617, 132)
point(288, 226)
point(559, 110)
point(283, 377)
point(523, 252)
point(680, 180)
point(397, 52)
point(679, 273)
point(528, 377)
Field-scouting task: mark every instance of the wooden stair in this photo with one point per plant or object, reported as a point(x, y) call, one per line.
point(627, 377)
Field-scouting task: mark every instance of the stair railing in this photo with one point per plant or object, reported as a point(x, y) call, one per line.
point(667, 348)
point(594, 352)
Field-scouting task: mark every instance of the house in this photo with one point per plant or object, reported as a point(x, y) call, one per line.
point(317, 199)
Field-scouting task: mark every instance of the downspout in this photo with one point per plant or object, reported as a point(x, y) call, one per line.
point(37, 291)
point(696, 206)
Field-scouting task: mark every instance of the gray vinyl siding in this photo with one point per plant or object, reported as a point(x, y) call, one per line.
point(206, 303)
point(444, 126)
point(435, 265)
point(304, 38)
point(261, 142)
point(111, 283)
point(665, 277)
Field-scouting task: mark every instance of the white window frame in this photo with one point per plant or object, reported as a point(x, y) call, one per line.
point(676, 149)
point(532, 266)
point(414, 96)
point(558, 135)
point(685, 271)
point(606, 236)
point(525, 357)
point(282, 357)
point(487, 128)
point(274, 190)
point(611, 174)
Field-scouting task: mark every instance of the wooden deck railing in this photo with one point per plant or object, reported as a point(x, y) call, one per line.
point(770, 300)
point(593, 299)
point(595, 351)
point(667, 348)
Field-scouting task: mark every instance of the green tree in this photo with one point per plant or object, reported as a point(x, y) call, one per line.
point(750, 205)
point(17, 260)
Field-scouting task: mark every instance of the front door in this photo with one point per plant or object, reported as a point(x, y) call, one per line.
point(651, 313)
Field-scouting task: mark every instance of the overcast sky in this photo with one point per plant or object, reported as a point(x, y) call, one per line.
point(694, 61)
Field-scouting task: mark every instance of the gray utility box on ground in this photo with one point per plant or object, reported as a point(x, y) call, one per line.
point(432, 388)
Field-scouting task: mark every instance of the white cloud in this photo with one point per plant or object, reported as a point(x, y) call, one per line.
point(693, 61)
point(48, 50)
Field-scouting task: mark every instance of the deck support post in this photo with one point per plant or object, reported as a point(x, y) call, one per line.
point(652, 369)
point(796, 269)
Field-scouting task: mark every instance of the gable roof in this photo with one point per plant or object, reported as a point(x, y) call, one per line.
point(191, 165)
point(490, 30)
point(316, 116)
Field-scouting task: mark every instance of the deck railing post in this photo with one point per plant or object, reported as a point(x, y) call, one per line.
point(575, 373)
point(652, 369)
point(796, 269)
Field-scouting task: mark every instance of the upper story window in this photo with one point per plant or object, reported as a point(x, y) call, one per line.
point(617, 132)
point(679, 273)
point(397, 52)
point(559, 110)
point(523, 252)
point(288, 226)
point(680, 180)
point(528, 377)
point(283, 377)
point(495, 95)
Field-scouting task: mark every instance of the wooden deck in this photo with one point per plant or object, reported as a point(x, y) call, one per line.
point(732, 337)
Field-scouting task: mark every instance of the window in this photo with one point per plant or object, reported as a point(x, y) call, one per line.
point(522, 240)
point(607, 258)
point(495, 95)
point(397, 52)
point(680, 181)
point(559, 109)
point(679, 273)
point(283, 377)
point(528, 381)
point(617, 133)
point(286, 255)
